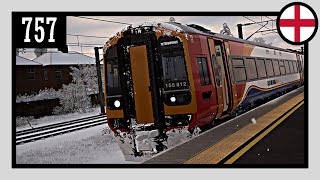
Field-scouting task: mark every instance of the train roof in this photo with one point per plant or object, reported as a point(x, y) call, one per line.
point(196, 29)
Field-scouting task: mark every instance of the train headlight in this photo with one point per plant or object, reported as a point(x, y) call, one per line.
point(173, 99)
point(117, 103)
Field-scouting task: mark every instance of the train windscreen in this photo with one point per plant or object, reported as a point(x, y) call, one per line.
point(173, 64)
point(174, 71)
point(112, 72)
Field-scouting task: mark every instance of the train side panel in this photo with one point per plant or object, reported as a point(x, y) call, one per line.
point(251, 91)
point(205, 88)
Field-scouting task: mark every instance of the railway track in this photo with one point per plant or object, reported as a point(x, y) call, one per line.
point(29, 135)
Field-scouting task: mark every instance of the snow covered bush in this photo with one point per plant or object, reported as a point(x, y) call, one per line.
point(24, 121)
point(75, 97)
point(86, 76)
point(42, 95)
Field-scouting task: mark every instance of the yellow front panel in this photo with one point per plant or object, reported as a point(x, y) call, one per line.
point(141, 81)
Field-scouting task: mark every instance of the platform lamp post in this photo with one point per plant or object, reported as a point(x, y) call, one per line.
point(101, 99)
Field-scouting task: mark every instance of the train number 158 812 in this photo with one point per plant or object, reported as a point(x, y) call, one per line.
point(175, 84)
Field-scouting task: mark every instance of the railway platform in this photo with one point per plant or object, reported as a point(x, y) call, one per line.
point(274, 133)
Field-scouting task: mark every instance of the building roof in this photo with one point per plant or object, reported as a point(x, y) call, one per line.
point(59, 58)
point(21, 61)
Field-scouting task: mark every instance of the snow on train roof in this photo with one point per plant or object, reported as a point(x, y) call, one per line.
point(21, 61)
point(169, 25)
point(183, 28)
point(59, 58)
point(157, 24)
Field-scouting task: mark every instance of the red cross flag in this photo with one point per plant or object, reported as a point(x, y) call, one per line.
point(297, 23)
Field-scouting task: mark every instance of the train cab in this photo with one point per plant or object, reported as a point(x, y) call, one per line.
point(149, 79)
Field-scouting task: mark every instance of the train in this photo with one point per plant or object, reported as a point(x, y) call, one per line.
point(160, 77)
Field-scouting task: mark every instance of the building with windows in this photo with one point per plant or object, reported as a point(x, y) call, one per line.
point(28, 75)
point(50, 70)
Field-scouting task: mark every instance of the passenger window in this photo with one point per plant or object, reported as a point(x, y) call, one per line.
point(203, 71)
point(286, 65)
point(282, 68)
point(276, 67)
point(250, 68)
point(239, 70)
point(237, 62)
point(269, 68)
point(261, 68)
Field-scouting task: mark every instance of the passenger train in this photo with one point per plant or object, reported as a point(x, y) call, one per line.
point(164, 76)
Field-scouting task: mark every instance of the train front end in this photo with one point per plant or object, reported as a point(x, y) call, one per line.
point(149, 88)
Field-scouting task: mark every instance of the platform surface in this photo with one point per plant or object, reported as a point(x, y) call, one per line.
point(285, 144)
point(230, 142)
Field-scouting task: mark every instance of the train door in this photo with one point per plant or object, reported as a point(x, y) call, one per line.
point(220, 54)
point(300, 67)
point(141, 81)
point(222, 72)
point(232, 83)
point(138, 72)
point(217, 78)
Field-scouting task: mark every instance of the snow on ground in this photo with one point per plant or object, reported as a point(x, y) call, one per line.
point(96, 145)
point(22, 123)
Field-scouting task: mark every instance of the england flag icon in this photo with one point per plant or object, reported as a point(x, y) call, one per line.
point(297, 23)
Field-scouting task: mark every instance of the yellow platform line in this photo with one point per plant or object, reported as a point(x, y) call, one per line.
point(217, 152)
point(262, 135)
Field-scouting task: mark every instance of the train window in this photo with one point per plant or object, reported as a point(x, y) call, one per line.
point(282, 68)
point(239, 69)
point(291, 66)
point(276, 69)
point(112, 68)
point(174, 69)
point(203, 71)
point(295, 66)
point(250, 68)
point(269, 68)
point(286, 65)
point(216, 70)
point(237, 62)
point(261, 68)
point(240, 73)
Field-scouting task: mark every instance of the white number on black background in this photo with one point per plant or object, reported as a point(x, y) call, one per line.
point(39, 29)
